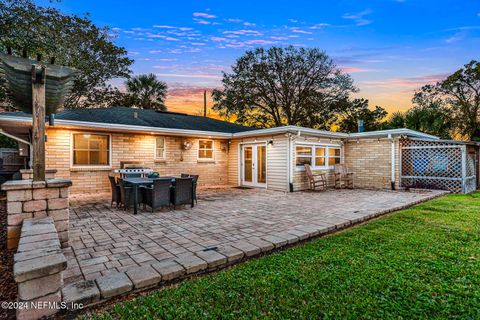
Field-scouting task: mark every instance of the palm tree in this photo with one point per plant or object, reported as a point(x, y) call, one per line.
point(429, 119)
point(145, 91)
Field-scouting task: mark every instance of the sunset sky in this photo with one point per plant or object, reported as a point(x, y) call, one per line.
point(390, 47)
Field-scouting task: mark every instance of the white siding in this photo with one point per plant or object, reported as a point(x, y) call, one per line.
point(277, 171)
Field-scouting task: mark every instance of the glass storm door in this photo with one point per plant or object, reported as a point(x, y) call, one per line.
point(254, 165)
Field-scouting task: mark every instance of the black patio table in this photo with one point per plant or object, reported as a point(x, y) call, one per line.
point(136, 182)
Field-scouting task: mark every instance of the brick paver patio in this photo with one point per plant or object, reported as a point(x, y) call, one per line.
point(105, 240)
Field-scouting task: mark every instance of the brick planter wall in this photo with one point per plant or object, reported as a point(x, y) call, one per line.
point(27, 199)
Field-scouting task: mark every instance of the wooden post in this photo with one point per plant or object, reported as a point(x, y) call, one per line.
point(38, 112)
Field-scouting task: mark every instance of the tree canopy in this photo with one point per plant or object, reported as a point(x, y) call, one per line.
point(457, 98)
point(350, 111)
point(283, 86)
point(145, 91)
point(28, 30)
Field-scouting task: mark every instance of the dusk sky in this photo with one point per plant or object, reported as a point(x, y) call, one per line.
point(390, 47)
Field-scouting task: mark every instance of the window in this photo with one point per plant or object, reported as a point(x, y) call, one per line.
point(159, 148)
point(205, 149)
point(91, 149)
point(304, 155)
point(333, 156)
point(320, 157)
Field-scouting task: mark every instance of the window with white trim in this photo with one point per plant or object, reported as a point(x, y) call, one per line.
point(160, 148)
point(333, 156)
point(205, 149)
point(91, 149)
point(317, 156)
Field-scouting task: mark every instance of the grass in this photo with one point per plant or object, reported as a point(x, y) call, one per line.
point(423, 262)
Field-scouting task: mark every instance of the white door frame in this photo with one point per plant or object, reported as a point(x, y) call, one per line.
point(254, 182)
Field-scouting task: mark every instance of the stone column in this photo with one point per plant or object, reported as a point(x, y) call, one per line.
point(27, 199)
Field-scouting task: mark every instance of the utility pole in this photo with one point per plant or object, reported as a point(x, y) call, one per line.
point(205, 103)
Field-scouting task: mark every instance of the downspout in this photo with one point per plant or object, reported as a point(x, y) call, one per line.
point(392, 178)
point(30, 147)
point(289, 163)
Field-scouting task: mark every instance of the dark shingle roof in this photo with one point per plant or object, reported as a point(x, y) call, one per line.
point(146, 118)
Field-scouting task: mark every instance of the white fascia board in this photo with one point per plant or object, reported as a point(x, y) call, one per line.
point(292, 129)
point(402, 131)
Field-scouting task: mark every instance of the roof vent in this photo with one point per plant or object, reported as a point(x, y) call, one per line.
point(135, 114)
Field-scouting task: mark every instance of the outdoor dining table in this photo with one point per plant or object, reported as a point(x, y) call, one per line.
point(138, 182)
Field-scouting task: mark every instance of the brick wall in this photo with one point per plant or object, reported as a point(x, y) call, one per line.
point(371, 162)
point(135, 147)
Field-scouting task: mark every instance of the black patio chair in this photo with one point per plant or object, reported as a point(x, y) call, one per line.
point(159, 195)
point(115, 188)
point(195, 180)
point(183, 192)
point(126, 194)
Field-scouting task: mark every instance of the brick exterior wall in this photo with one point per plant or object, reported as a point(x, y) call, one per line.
point(135, 147)
point(371, 162)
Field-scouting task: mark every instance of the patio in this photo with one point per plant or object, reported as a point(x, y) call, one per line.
point(105, 240)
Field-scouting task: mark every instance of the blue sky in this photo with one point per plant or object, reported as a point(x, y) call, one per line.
point(390, 47)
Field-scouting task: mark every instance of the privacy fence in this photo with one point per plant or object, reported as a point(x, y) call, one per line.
point(445, 165)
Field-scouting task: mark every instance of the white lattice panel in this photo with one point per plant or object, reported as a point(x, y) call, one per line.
point(437, 165)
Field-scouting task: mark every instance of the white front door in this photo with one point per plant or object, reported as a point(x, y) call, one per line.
point(254, 165)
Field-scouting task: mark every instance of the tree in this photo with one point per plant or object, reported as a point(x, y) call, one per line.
point(353, 110)
point(27, 30)
point(146, 92)
point(6, 142)
point(396, 121)
point(429, 119)
point(283, 86)
point(459, 96)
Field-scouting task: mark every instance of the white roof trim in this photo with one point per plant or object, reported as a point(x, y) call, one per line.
point(293, 129)
point(402, 131)
point(252, 133)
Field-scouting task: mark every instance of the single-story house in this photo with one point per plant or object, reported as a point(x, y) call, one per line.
point(85, 145)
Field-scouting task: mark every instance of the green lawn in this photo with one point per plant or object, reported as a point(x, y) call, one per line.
point(423, 262)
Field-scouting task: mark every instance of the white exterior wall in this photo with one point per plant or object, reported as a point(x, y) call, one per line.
point(277, 154)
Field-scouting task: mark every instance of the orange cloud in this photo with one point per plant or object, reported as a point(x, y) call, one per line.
point(190, 100)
